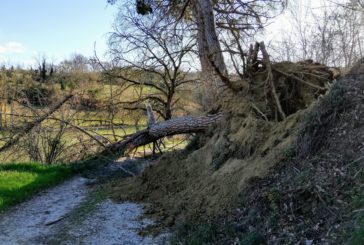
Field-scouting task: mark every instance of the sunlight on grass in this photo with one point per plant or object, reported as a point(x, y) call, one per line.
point(19, 181)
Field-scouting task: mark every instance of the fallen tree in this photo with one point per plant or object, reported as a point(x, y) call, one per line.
point(159, 130)
point(275, 91)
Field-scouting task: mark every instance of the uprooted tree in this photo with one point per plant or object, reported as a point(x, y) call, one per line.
point(273, 85)
point(209, 23)
point(276, 90)
point(204, 18)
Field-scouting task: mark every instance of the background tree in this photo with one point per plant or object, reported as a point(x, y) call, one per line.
point(332, 33)
point(150, 58)
point(210, 21)
point(76, 63)
point(45, 69)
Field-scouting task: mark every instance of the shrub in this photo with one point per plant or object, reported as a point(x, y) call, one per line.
point(37, 95)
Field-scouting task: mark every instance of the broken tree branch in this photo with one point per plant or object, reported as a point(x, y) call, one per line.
point(300, 80)
point(15, 139)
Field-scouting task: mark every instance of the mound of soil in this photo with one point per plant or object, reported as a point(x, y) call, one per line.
point(316, 197)
point(249, 141)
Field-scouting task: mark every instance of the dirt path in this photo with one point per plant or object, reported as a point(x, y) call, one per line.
point(73, 213)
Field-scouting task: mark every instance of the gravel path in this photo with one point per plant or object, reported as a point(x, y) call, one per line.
point(67, 214)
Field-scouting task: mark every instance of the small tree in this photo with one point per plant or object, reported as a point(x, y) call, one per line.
point(332, 34)
point(45, 144)
point(151, 56)
point(45, 69)
point(78, 63)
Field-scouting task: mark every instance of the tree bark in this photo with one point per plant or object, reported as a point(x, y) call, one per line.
point(210, 52)
point(180, 125)
point(150, 115)
point(209, 29)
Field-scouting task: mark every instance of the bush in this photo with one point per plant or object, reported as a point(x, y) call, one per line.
point(37, 95)
point(45, 144)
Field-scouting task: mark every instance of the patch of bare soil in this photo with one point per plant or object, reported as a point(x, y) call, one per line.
point(315, 196)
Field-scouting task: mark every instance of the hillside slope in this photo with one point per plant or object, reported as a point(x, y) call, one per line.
point(275, 174)
point(316, 196)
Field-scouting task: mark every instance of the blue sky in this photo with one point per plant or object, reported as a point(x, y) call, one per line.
point(55, 28)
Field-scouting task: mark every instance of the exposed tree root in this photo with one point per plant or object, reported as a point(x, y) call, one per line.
point(280, 89)
point(300, 80)
point(270, 80)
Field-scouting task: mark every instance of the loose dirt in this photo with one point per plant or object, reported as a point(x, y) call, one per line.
point(251, 139)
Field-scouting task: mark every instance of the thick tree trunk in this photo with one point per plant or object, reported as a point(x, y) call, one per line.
point(210, 36)
point(210, 53)
point(180, 125)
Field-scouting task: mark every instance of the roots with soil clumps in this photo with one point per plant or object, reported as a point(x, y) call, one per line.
point(280, 89)
point(259, 127)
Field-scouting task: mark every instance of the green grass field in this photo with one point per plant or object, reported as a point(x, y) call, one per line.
point(19, 181)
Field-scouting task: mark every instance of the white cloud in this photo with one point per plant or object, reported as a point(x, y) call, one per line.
point(12, 47)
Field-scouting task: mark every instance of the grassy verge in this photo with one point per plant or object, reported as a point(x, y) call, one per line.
point(19, 181)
